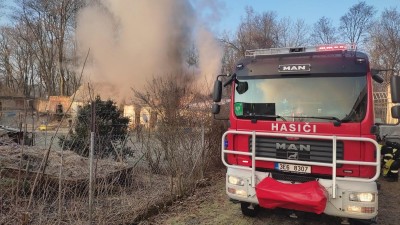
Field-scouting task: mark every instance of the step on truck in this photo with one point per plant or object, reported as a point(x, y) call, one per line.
point(301, 131)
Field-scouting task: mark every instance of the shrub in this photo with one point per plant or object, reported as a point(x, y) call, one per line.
point(111, 129)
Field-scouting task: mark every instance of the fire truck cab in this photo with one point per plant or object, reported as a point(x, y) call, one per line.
point(302, 133)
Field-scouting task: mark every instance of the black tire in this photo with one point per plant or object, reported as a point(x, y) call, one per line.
point(250, 212)
point(373, 221)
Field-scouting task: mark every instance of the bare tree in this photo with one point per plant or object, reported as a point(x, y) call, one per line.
point(15, 62)
point(384, 42)
point(166, 95)
point(265, 30)
point(37, 52)
point(230, 56)
point(192, 57)
point(52, 24)
point(6, 68)
point(177, 147)
point(355, 23)
point(292, 34)
point(255, 31)
point(324, 32)
point(262, 30)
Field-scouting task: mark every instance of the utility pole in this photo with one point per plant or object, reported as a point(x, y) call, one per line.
point(91, 154)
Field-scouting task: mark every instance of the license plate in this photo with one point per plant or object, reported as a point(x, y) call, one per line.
point(292, 168)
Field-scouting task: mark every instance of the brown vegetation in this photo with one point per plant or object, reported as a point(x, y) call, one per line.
point(38, 57)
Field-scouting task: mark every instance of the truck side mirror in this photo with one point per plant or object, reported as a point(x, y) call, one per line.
point(376, 77)
point(396, 111)
point(216, 108)
point(242, 87)
point(217, 91)
point(395, 89)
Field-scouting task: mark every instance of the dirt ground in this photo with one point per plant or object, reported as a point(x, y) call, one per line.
point(210, 205)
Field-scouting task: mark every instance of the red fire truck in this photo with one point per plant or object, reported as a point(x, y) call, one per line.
point(302, 134)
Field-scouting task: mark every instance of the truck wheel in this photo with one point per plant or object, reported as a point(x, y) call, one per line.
point(373, 221)
point(248, 209)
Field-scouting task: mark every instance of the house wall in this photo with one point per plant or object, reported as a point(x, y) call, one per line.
point(148, 117)
point(129, 111)
point(144, 116)
point(12, 103)
point(51, 104)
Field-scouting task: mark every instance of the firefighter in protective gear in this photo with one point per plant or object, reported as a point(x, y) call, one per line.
point(390, 160)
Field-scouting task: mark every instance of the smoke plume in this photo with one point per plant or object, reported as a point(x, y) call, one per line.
point(133, 40)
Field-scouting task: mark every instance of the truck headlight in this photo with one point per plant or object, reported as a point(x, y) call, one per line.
point(362, 197)
point(360, 209)
point(241, 193)
point(235, 180)
point(353, 208)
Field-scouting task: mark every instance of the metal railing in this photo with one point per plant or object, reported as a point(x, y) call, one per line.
point(333, 165)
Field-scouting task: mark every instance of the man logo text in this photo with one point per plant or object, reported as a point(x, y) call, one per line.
point(293, 147)
point(294, 68)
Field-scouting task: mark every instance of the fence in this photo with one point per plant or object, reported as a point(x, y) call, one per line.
point(145, 169)
point(381, 106)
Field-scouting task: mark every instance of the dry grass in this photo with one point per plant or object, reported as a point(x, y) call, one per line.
point(75, 166)
point(125, 193)
point(166, 166)
point(212, 206)
point(115, 203)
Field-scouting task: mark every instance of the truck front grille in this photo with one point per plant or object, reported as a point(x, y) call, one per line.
point(302, 149)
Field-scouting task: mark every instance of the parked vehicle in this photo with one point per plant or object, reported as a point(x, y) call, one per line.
point(302, 134)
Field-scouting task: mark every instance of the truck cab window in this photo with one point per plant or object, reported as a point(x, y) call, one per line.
point(315, 96)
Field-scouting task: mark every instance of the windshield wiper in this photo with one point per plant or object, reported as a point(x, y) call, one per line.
point(337, 122)
point(251, 115)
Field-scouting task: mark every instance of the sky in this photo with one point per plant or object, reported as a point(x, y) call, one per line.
point(309, 10)
point(230, 12)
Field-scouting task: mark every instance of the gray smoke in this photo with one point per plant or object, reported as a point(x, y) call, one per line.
point(133, 40)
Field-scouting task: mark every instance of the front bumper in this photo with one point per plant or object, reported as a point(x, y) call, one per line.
point(339, 206)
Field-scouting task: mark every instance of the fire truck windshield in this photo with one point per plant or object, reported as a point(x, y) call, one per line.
point(301, 98)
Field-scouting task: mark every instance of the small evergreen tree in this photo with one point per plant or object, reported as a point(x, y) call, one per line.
point(111, 129)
